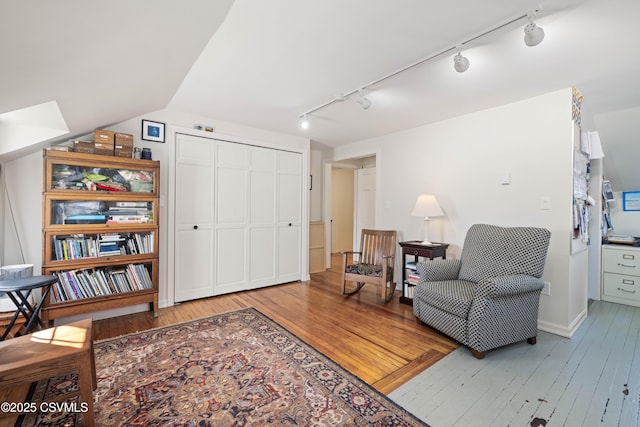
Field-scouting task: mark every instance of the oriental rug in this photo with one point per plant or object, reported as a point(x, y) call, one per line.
point(233, 369)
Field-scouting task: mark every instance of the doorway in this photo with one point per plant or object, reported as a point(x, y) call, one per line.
point(349, 202)
point(343, 207)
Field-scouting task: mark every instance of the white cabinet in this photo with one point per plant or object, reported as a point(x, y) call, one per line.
point(621, 274)
point(254, 203)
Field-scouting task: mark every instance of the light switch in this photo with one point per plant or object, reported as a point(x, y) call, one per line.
point(505, 179)
point(545, 202)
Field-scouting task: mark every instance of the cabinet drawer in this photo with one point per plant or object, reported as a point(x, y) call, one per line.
point(620, 261)
point(622, 286)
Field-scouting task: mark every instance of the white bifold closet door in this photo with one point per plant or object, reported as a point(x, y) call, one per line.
point(256, 234)
point(289, 216)
point(194, 221)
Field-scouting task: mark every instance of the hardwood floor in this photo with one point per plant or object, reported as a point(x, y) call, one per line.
point(382, 344)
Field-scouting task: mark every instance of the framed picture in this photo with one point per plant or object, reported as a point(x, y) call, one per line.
point(152, 131)
point(631, 200)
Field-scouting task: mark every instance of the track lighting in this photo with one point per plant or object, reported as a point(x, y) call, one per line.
point(362, 101)
point(533, 34)
point(460, 63)
point(532, 37)
point(304, 122)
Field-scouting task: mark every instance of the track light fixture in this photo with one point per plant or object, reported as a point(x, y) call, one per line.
point(304, 122)
point(533, 34)
point(460, 63)
point(362, 101)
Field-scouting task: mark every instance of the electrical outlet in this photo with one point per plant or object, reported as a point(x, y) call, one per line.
point(547, 288)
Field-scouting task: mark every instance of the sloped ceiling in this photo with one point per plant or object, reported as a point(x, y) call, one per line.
point(102, 62)
point(262, 63)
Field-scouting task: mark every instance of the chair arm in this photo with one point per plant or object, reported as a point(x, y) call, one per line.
point(345, 254)
point(349, 252)
point(514, 284)
point(438, 270)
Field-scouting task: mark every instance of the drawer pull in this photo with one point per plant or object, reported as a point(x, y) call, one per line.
point(415, 252)
point(626, 265)
point(627, 291)
point(627, 256)
point(628, 282)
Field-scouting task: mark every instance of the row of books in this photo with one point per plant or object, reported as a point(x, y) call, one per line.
point(95, 282)
point(411, 275)
point(80, 246)
point(412, 278)
point(408, 290)
point(129, 213)
point(110, 219)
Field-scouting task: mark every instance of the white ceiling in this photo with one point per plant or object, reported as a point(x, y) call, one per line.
point(263, 63)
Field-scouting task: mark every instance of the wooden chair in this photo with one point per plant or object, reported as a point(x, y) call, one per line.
point(376, 260)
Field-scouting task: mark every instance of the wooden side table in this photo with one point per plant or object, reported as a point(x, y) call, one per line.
point(416, 249)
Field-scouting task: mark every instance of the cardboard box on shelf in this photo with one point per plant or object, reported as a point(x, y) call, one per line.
point(83, 147)
point(123, 145)
point(104, 142)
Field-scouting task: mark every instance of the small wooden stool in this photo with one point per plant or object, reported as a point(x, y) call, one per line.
point(49, 353)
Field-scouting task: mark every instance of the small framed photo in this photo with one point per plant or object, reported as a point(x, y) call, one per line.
point(152, 131)
point(631, 200)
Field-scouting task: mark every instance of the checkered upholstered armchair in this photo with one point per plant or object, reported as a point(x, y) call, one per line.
point(489, 297)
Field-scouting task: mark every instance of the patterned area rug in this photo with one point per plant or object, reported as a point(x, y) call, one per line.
point(233, 369)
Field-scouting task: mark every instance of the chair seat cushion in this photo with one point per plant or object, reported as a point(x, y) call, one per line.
point(452, 296)
point(371, 270)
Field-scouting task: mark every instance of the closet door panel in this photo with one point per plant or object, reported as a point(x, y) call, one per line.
point(194, 271)
point(262, 260)
point(289, 254)
point(231, 201)
point(194, 218)
point(289, 200)
point(194, 195)
point(289, 196)
point(289, 187)
point(231, 262)
point(262, 198)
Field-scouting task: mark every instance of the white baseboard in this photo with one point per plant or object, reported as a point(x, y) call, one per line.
point(563, 331)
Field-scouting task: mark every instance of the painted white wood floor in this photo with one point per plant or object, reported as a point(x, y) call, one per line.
point(592, 379)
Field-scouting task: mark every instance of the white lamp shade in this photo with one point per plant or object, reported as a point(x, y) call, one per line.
point(426, 206)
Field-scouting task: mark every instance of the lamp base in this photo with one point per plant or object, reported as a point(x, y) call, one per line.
point(426, 241)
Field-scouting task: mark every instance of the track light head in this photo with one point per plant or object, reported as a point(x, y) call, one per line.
point(365, 103)
point(533, 35)
point(304, 122)
point(460, 63)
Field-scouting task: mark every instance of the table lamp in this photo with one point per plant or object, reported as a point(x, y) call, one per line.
point(426, 206)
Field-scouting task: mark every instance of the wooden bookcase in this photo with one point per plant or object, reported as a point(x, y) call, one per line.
point(100, 232)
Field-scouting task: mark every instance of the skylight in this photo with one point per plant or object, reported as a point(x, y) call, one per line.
point(30, 126)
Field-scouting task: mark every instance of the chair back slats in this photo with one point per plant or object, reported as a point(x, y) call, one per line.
point(376, 244)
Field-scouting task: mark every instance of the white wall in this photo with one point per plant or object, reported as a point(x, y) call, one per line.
point(23, 178)
point(315, 195)
point(461, 161)
point(624, 222)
